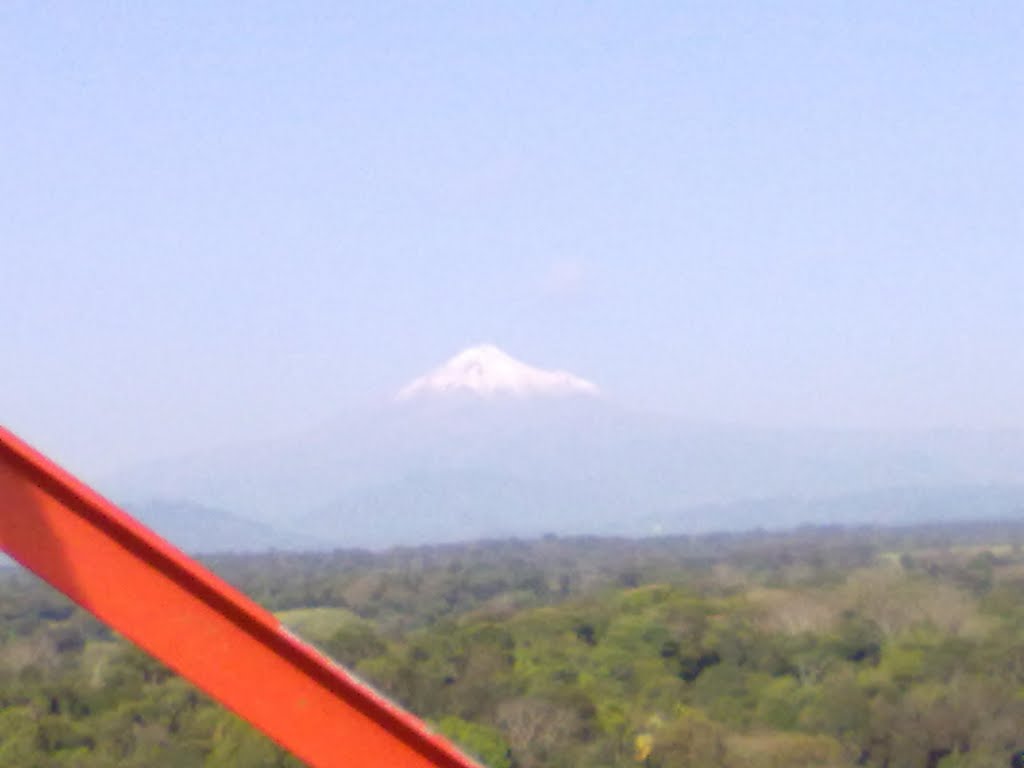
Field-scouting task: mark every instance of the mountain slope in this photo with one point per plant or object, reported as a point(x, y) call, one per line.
point(488, 446)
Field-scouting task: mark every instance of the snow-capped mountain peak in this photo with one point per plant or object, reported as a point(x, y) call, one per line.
point(487, 371)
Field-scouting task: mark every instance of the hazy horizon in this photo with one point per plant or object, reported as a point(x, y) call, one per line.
point(226, 223)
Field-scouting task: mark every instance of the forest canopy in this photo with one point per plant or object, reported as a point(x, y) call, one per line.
point(816, 647)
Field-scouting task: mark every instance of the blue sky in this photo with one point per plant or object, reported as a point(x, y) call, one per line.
point(225, 220)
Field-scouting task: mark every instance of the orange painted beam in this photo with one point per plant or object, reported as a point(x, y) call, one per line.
point(198, 625)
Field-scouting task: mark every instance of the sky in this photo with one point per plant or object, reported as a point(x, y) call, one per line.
point(220, 221)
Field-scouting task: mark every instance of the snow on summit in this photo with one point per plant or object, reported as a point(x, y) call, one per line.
point(487, 371)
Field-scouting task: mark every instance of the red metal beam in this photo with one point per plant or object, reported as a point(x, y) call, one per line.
point(198, 625)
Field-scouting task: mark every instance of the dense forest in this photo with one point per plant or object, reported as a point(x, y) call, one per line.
point(815, 647)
